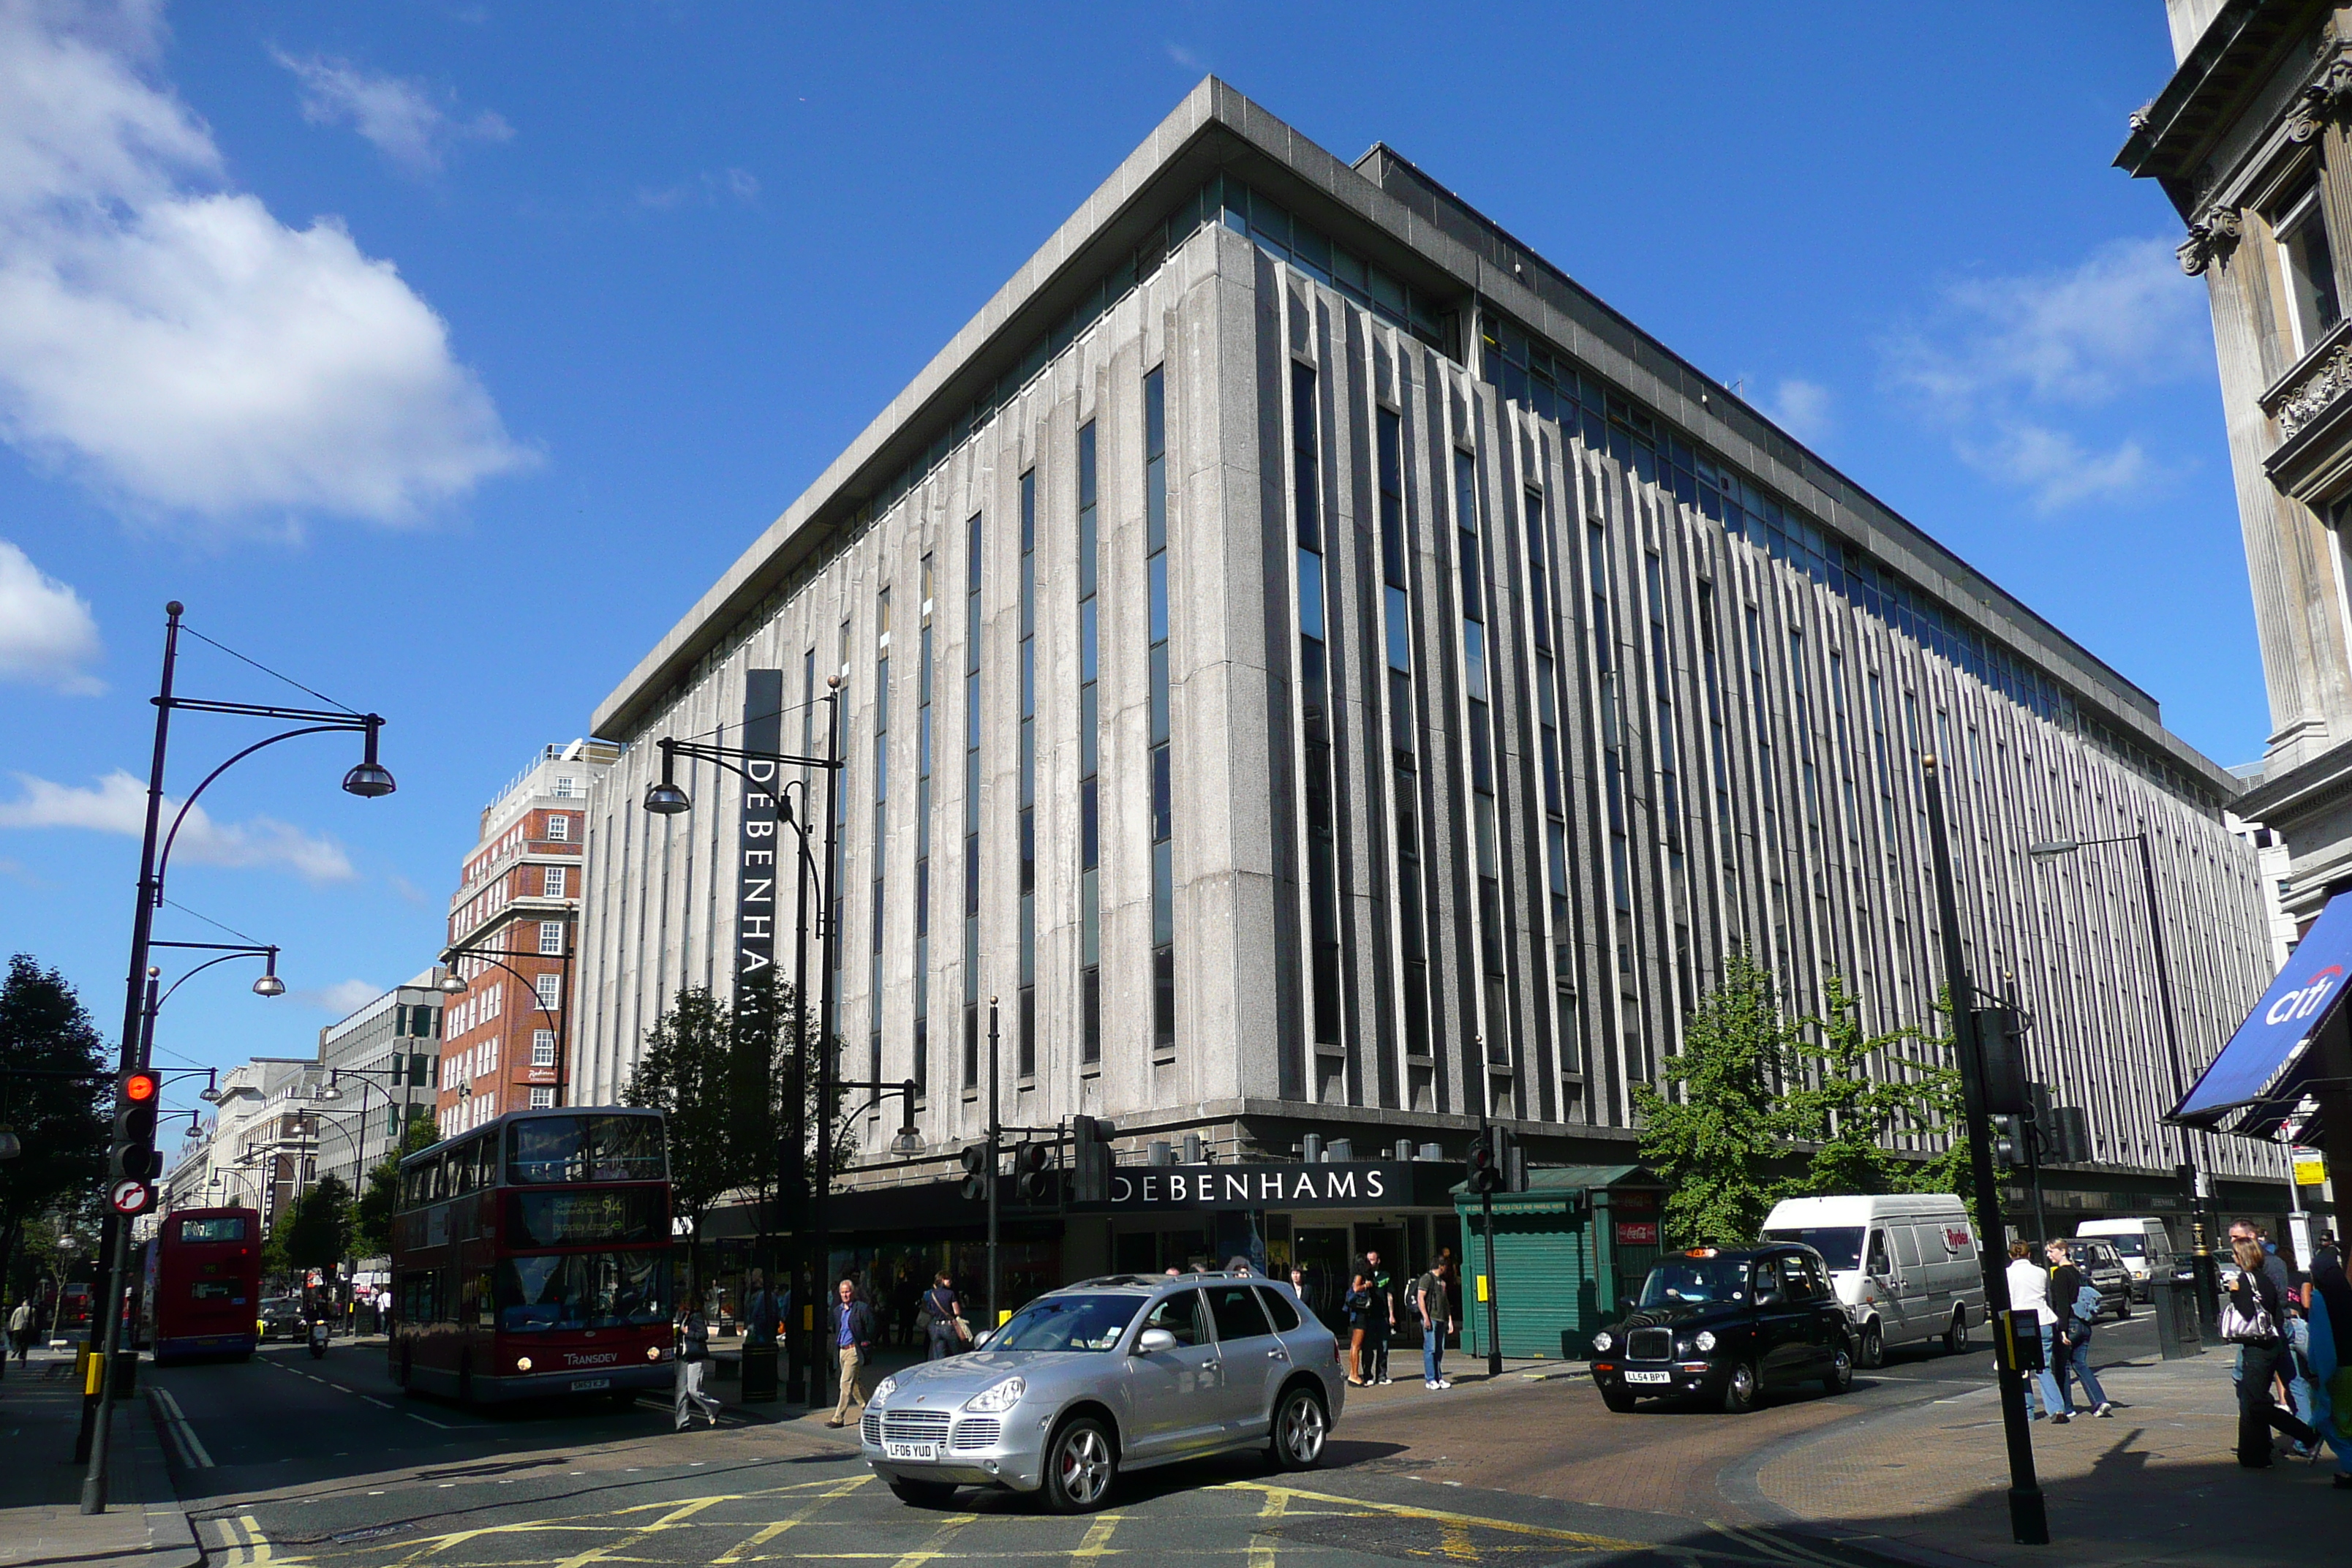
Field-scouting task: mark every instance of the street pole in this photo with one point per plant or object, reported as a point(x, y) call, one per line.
point(2209, 1283)
point(2028, 1520)
point(820, 1240)
point(995, 1134)
point(137, 988)
point(794, 1176)
point(1492, 1293)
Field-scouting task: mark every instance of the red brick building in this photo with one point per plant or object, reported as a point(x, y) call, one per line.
point(506, 1037)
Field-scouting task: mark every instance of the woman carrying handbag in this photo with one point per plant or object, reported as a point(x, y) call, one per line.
point(2253, 1317)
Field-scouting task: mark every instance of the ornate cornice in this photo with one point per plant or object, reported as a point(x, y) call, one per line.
point(2210, 239)
point(2328, 96)
point(2315, 392)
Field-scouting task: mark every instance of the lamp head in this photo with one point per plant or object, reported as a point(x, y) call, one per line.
point(666, 798)
point(909, 1140)
point(453, 984)
point(2050, 847)
point(329, 1091)
point(371, 780)
point(269, 985)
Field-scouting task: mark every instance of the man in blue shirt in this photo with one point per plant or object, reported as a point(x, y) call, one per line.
point(853, 1337)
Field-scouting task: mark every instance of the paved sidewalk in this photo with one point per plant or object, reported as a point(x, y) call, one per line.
point(41, 1519)
point(2157, 1482)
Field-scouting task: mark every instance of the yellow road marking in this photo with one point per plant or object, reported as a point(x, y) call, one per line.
point(1263, 1547)
point(768, 1532)
point(1454, 1535)
point(684, 1510)
point(1441, 1516)
point(1098, 1534)
point(940, 1538)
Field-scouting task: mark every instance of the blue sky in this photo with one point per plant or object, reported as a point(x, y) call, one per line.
point(439, 355)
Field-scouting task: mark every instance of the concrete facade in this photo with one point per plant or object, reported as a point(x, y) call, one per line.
point(1595, 676)
point(391, 1045)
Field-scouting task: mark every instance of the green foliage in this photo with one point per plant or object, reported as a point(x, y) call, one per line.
point(63, 1123)
point(371, 1214)
point(1718, 1139)
point(1862, 1092)
point(317, 1232)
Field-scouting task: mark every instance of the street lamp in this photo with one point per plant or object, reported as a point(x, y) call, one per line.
point(455, 984)
point(369, 780)
point(2209, 1286)
point(667, 798)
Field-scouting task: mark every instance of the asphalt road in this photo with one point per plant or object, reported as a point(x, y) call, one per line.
point(284, 1459)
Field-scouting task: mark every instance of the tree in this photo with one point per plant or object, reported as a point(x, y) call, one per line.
point(371, 1214)
point(1850, 1113)
point(317, 1232)
point(1718, 1134)
point(62, 1122)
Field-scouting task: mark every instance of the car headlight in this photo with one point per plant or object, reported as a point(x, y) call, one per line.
point(1604, 1341)
point(882, 1390)
point(1706, 1340)
point(522, 1363)
point(999, 1397)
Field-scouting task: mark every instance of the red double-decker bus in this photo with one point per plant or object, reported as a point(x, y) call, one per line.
point(531, 1256)
point(201, 1290)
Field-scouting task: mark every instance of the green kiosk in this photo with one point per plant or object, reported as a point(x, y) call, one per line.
point(1565, 1250)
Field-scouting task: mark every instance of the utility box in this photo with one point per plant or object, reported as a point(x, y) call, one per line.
point(2173, 1303)
point(1566, 1248)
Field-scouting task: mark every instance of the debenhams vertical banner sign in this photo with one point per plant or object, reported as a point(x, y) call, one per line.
point(1362, 1185)
point(756, 870)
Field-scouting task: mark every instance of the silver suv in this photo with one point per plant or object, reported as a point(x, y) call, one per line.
point(1117, 1373)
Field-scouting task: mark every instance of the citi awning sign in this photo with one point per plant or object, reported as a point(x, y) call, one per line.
point(1364, 1184)
point(2256, 1080)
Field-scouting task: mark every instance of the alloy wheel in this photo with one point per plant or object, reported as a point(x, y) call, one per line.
point(1086, 1467)
point(1302, 1430)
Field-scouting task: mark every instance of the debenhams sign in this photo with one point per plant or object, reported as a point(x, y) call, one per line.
point(1372, 1183)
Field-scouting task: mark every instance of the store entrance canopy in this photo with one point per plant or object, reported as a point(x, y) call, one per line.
point(2263, 1074)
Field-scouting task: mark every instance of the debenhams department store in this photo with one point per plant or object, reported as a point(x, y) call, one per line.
point(1324, 673)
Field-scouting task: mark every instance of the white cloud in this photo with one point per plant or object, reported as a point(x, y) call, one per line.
point(400, 118)
point(47, 636)
point(342, 999)
point(706, 190)
point(173, 343)
point(409, 891)
point(1186, 58)
point(2005, 363)
point(118, 804)
point(1802, 408)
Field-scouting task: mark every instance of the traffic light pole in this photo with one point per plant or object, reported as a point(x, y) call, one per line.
point(2028, 1520)
point(995, 1143)
point(1487, 1224)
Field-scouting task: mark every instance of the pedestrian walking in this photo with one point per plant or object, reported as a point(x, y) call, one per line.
point(763, 1315)
point(1382, 1326)
point(693, 1358)
point(2077, 1301)
point(854, 1332)
point(1434, 1304)
point(2328, 1303)
point(2029, 1286)
point(949, 1334)
point(20, 1330)
point(2291, 1382)
point(1359, 1316)
point(2253, 1317)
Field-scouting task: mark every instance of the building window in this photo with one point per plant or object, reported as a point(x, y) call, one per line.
point(552, 885)
point(922, 1067)
point(1155, 565)
point(566, 787)
point(559, 827)
point(542, 1047)
point(1026, 1060)
point(972, 804)
point(543, 1098)
point(1396, 563)
point(550, 988)
point(550, 938)
point(1089, 799)
point(1315, 710)
point(2308, 264)
point(881, 816)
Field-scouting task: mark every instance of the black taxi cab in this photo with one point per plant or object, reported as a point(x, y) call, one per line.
point(1723, 1324)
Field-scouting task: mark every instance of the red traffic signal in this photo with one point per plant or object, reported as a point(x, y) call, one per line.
point(141, 1087)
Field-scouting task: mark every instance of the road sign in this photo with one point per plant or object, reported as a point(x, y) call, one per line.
point(131, 1196)
point(2310, 1167)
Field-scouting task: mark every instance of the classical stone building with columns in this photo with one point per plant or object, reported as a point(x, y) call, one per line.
point(1324, 671)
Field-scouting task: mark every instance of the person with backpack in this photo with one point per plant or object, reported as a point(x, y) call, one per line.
point(2077, 1303)
point(2253, 1317)
point(948, 1331)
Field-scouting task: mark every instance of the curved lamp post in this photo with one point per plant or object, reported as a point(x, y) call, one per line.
point(368, 779)
point(455, 984)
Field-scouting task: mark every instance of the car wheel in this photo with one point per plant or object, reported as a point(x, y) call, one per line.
point(1956, 1338)
point(1739, 1389)
point(1080, 1466)
point(1872, 1353)
point(921, 1494)
point(1620, 1400)
point(1300, 1427)
point(1840, 1376)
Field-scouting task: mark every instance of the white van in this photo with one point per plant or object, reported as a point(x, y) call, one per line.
point(2145, 1246)
point(1905, 1265)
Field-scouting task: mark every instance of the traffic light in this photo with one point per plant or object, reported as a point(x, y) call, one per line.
point(1090, 1159)
point(2069, 1137)
point(135, 1104)
point(2009, 1136)
point(2000, 1049)
point(1033, 1166)
point(976, 1172)
point(1483, 1167)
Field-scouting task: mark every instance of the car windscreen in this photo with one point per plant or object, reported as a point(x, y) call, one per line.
point(1684, 1280)
point(2129, 1245)
point(1839, 1244)
point(1068, 1324)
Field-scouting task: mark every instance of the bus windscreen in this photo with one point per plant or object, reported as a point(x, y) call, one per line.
point(582, 1291)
